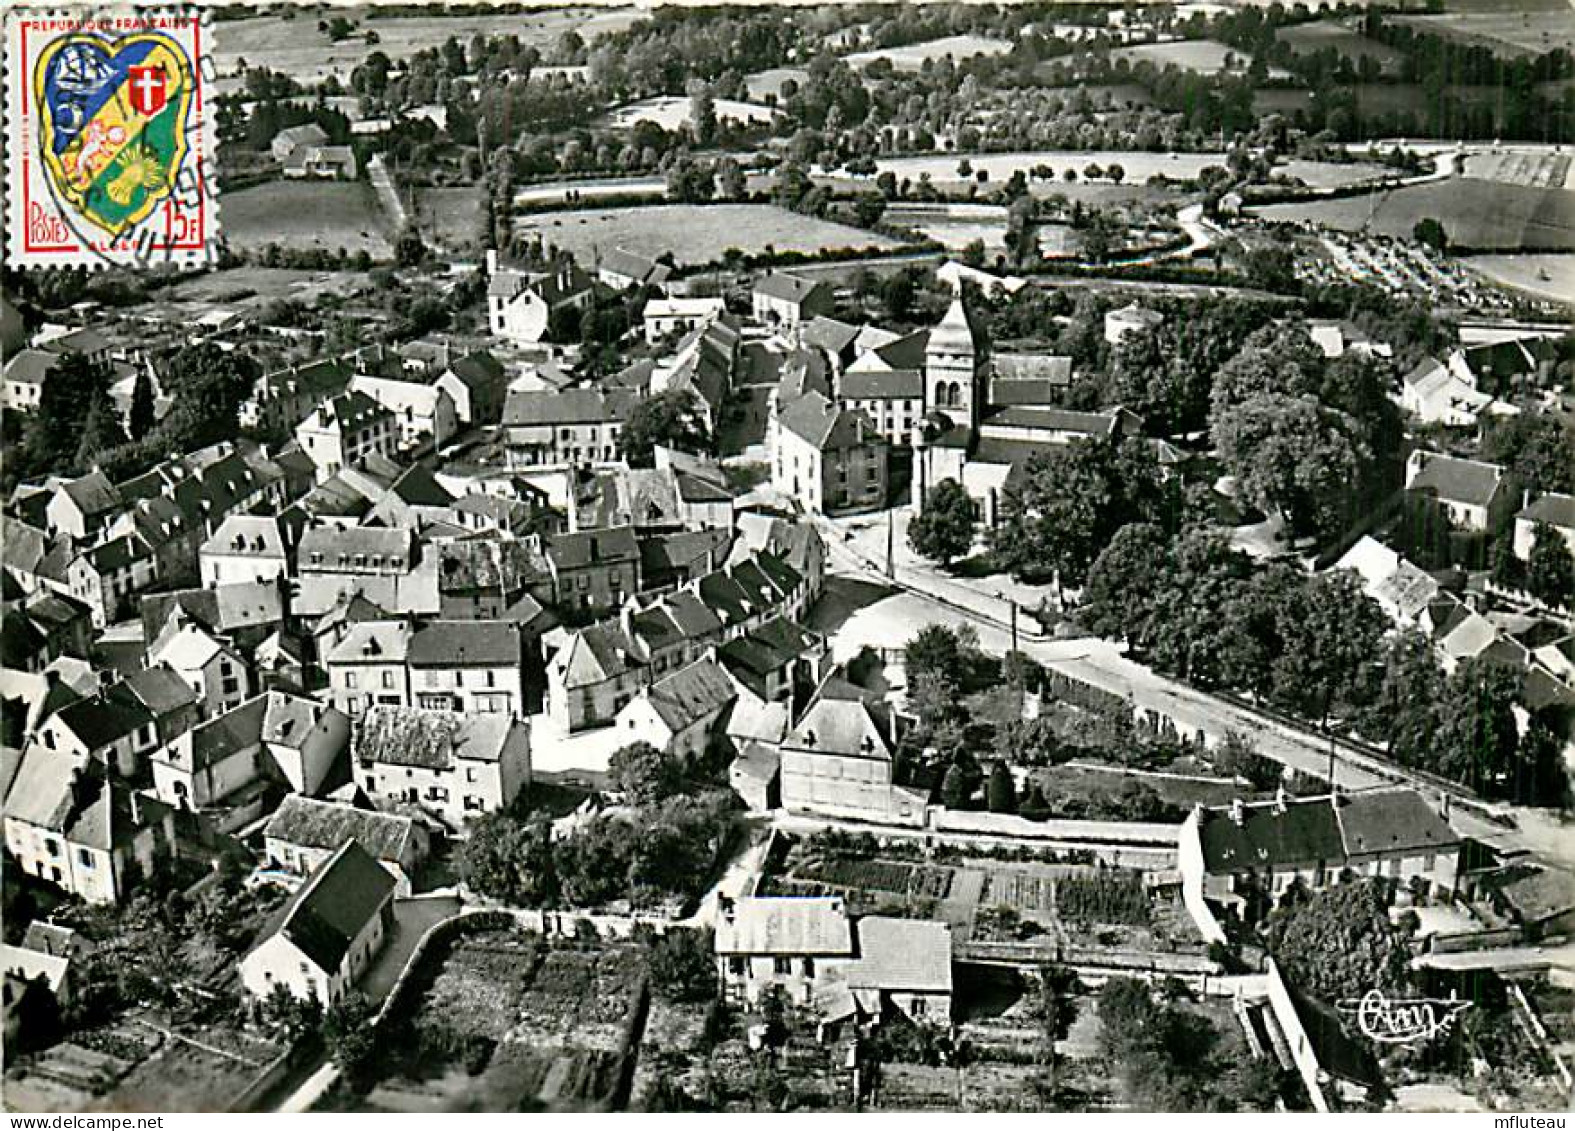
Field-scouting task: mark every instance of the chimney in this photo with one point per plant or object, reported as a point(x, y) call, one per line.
point(626, 617)
point(492, 262)
point(1238, 812)
point(136, 806)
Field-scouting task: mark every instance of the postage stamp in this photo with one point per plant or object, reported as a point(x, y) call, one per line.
point(109, 138)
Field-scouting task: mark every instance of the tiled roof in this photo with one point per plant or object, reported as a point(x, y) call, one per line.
point(1553, 509)
point(1392, 820)
point(372, 642)
point(408, 736)
point(529, 409)
point(824, 426)
point(691, 694)
point(308, 823)
point(883, 384)
point(901, 955)
point(785, 925)
point(1304, 833)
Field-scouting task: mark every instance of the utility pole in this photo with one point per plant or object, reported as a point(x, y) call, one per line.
point(891, 565)
point(1014, 622)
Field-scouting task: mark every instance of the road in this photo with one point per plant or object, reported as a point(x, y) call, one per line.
point(889, 621)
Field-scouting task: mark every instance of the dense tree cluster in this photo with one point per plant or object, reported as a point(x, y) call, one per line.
point(1340, 942)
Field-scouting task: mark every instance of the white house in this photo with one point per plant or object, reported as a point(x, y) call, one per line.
point(326, 936)
point(245, 548)
point(520, 306)
point(208, 665)
point(421, 412)
point(781, 298)
point(1471, 492)
point(452, 766)
point(680, 713)
point(345, 429)
point(663, 317)
point(1553, 510)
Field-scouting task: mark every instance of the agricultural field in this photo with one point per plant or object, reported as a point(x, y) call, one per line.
point(764, 84)
point(1476, 214)
point(1535, 169)
point(262, 284)
point(1331, 174)
point(1200, 56)
point(671, 112)
point(506, 1018)
point(954, 226)
point(1321, 35)
point(295, 47)
point(913, 56)
point(1508, 33)
point(308, 215)
point(448, 216)
point(1545, 276)
point(695, 234)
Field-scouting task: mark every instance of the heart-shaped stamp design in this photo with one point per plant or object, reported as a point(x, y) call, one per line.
point(112, 122)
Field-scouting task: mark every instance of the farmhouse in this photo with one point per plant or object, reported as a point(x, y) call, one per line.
point(327, 933)
point(682, 712)
point(826, 962)
point(22, 380)
point(838, 759)
point(287, 141)
point(663, 317)
point(1244, 856)
point(1471, 492)
point(324, 162)
point(787, 300)
point(449, 766)
point(620, 270)
point(520, 307)
point(304, 833)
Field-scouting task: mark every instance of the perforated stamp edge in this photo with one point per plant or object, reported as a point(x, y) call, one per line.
point(41, 232)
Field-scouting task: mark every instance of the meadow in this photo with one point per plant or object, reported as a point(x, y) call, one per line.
point(913, 56)
point(762, 84)
point(1201, 56)
point(1522, 167)
point(695, 234)
point(1546, 276)
point(1475, 214)
point(1308, 39)
point(670, 112)
point(295, 47)
point(1509, 33)
point(302, 215)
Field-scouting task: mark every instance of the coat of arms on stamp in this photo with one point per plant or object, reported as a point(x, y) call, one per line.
point(109, 143)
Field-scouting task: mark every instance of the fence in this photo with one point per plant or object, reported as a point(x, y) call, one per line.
point(1139, 963)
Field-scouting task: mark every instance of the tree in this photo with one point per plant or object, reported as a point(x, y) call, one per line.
point(410, 250)
point(670, 419)
point(690, 180)
point(939, 650)
point(1057, 1009)
point(508, 859)
point(682, 963)
point(1536, 447)
point(1294, 456)
point(958, 786)
point(351, 1041)
point(1404, 710)
point(702, 112)
point(896, 295)
point(1238, 758)
point(206, 386)
point(1429, 231)
point(730, 182)
point(944, 527)
point(54, 430)
point(643, 773)
point(1329, 632)
point(1550, 568)
point(140, 419)
point(1125, 583)
point(101, 431)
point(1478, 740)
point(1340, 943)
point(1000, 793)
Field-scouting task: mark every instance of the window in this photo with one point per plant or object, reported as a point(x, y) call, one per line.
point(492, 679)
point(809, 967)
point(738, 964)
point(53, 846)
point(437, 793)
point(84, 858)
point(388, 680)
point(782, 965)
point(350, 680)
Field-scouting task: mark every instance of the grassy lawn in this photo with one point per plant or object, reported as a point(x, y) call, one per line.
point(695, 234)
point(323, 215)
point(1475, 213)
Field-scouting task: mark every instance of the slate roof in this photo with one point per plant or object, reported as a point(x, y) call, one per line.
point(407, 736)
point(1304, 834)
point(1553, 509)
point(785, 925)
point(584, 548)
point(92, 493)
point(330, 911)
point(222, 609)
point(1465, 481)
point(465, 644)
point(306, 822)
point(691, 694)
point(824, 426)
point(790, 288)
point(420, 488)
point(840, 720)
point(252, 535)
point(372, 642)
point(211, 742)
point(526, 408)
point(98, 812)
point(348, 412)
point(340, 547)
point(102, 719)
point(828, 334)
point(883, 384)
point(1055, 420)
point(1392, 820)
point(158, 689)
point(30, 366)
